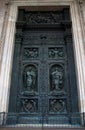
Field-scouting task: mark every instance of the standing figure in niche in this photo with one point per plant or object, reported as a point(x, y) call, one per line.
point(30, 80)
point(57, 78)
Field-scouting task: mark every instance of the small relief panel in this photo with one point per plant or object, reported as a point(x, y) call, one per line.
point(30, 81)
point(29, 105)
point(43, 17)
point(56, 52)
point(57, 105)
point(56, 79)
point(31, 52)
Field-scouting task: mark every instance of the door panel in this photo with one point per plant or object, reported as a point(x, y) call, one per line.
point(42, 77)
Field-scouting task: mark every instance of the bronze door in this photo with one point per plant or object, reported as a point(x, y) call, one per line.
point(44, 90)
point(43, 85)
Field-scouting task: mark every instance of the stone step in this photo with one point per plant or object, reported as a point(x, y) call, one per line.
point(41, 128)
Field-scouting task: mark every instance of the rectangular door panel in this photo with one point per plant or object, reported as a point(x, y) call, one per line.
point(43, 88)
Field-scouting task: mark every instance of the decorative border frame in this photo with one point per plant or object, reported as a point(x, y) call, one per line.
point(8, 49)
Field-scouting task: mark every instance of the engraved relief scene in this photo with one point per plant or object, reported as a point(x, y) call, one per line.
point(41, 17)
point(31, 52)
point(56, 52)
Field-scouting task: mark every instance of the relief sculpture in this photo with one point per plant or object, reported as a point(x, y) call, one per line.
point(56, 52)
point(30, 80)
point(29, 105)
point(57, 105)
point(56, 79)
point(31, 52)
point(43, 17)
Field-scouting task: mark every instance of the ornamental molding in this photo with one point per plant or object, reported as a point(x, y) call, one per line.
point(81, 2)
point(39, 2)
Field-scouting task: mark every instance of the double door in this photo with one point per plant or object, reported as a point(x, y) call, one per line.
point(43, 86)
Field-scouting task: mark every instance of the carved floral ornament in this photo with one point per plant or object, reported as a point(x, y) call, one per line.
point(57, 105)
point(29, 105)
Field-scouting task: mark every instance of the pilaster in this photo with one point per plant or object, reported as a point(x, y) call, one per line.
point(7, 58)
point(79, 52)
point(3, 13)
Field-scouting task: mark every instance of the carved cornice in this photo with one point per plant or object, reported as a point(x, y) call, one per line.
point(40, 2)
point(7, 2)
point(81, 1)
